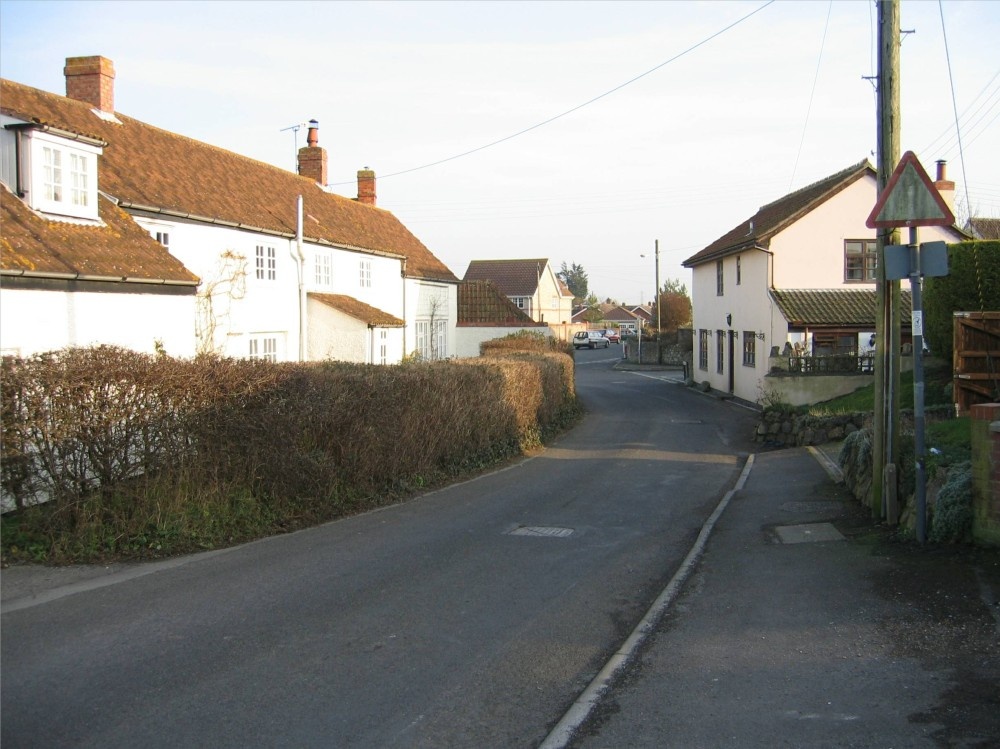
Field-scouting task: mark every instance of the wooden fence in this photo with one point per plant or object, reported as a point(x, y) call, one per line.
point(976, 359)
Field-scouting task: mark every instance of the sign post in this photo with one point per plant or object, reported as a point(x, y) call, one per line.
point(911, 200)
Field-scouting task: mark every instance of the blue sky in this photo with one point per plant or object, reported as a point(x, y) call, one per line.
point(680, 155)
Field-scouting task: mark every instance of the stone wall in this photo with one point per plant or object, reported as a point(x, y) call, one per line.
point(789, 428)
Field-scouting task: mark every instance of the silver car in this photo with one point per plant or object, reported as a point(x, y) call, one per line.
point(590, 339)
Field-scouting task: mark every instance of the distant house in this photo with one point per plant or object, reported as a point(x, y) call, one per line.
point(484, 313)
point(800, 271)
point(531, 285)
point(984, 228)
point(612, 316)
point(283, 268)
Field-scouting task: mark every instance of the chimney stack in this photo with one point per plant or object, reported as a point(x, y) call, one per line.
point(944, 185)
point(91, 80)
point(366, 186)
point(312, 158)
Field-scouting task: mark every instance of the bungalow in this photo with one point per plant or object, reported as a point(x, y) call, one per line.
point(283, 268)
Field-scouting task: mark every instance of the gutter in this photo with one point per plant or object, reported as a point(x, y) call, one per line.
point(247, 227)
point(102, 279)
point(68, 135)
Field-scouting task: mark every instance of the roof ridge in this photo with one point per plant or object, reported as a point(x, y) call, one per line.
point(831, 178)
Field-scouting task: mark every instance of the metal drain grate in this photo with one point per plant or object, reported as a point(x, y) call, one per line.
point(541, 530)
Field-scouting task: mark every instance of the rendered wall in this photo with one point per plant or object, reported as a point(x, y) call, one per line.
point(60, 319)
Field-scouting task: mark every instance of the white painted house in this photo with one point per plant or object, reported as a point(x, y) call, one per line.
point(800, 271)
point(288, 271)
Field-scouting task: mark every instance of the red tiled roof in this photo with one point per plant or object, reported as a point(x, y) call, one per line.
point(119, 250)
point(834, 307)
point(372, 316)
point(512, 277)
point(773, 217)
point(149, 168)
point(482, 303)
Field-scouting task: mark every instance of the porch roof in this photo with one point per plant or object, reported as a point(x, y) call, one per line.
point(834, 308)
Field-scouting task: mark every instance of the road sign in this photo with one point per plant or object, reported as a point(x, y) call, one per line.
point(901, 262)
point(910, 199)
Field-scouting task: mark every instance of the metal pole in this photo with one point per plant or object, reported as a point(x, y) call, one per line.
point(917, 328)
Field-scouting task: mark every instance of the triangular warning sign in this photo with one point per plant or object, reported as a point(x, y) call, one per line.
point(910, 199)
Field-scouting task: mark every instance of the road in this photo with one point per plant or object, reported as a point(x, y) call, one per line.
point(472, 616)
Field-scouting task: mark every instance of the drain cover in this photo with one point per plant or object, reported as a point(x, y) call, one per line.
point(541, 530)
point(811, 532)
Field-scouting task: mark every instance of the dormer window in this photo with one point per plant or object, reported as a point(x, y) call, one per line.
point(62, 176)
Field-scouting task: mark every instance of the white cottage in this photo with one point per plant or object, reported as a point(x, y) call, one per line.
point(288, 270)
point(800, 271)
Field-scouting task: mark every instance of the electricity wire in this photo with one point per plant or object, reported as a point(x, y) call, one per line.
point(578, 107)
point(812, 95)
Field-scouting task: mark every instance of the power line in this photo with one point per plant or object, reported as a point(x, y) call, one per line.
point(577, 107)
point(812, 95)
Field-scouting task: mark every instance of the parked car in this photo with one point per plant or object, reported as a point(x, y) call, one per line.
point(612, 335)
point(590, 339)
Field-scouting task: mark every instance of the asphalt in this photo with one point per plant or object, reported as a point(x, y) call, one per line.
point(803, 622)
point(797, 620)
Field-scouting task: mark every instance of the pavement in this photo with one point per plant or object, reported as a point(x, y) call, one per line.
point(797, 621)
point(803, 622)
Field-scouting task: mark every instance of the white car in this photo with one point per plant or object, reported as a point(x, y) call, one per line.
point(590, 339)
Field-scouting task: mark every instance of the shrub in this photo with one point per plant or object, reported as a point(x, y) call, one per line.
point(952, 518)
point(138, 455)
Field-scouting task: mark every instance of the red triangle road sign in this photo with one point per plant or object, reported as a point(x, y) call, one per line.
point(910, 199)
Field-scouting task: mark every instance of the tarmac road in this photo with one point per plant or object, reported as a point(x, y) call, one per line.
point(472, 616)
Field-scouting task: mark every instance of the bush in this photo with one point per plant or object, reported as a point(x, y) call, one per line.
point(108, 453)
point(972, 284)
point(952, 518)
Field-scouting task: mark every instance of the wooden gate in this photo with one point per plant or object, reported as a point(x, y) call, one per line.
point(976, 359)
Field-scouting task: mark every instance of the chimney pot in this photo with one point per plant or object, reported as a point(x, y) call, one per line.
point(945, 186)
point(312, 158)
point(91, 80)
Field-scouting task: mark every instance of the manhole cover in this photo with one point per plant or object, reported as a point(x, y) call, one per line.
point(809, 533)
point(541, 530)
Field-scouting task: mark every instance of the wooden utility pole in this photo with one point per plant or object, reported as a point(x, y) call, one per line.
point(887, 327)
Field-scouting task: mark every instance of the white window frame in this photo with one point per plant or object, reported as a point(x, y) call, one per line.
point(383, 346)
point(266, 262)
point(365, 269)
point(263, 346)
point(324, 270)
point(72, 189)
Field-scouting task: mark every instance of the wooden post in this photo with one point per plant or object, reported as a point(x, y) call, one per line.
point(887, 333)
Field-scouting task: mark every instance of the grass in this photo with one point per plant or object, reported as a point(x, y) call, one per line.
point(950, 439)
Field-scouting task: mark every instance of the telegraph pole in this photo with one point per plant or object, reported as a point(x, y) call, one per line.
point(659, 351)
point(887, 320)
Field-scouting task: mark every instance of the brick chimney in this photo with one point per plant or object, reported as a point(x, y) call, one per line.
point(312, 158)
point(91, 80)
point(366, 186)
point(944, 185)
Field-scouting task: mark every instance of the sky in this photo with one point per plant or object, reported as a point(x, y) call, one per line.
point(588, 133)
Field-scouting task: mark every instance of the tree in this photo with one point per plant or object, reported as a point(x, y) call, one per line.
point(594, 313)
point(575, 277)
point(674, 306)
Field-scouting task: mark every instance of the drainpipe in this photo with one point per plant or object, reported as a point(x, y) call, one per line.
point(302, 280)
point(402, 275)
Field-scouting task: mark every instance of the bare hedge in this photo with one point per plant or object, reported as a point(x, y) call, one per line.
point(144, 453)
